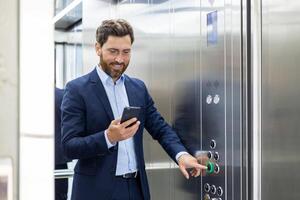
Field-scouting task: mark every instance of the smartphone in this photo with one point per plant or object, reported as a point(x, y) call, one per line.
point(129, 113)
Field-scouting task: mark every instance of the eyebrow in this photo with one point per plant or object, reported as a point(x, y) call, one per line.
point(119, 49)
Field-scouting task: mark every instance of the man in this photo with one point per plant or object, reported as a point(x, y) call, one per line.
point(61, 185)
point(110, 156)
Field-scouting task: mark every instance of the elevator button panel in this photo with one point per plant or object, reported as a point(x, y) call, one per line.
point(213, 184)
point(216, 192)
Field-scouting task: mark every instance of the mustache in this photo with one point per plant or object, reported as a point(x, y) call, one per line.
point(117, 63)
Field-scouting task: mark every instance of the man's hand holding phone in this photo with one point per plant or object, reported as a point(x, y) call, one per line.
point(120, 131)
point(126, 127)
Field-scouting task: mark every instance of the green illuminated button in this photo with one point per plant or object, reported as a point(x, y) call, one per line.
point(210, 167)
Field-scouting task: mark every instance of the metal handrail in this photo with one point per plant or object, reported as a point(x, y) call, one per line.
point(63, 173)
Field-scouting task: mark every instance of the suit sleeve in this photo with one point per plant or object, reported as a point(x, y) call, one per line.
point(160, 130)
point(76, 143)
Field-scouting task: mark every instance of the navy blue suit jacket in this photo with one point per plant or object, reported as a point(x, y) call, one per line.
point(86, 114)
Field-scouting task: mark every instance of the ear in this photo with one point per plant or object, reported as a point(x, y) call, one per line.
point(98, 49)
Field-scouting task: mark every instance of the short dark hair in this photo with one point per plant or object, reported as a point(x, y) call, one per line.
point(118, 27)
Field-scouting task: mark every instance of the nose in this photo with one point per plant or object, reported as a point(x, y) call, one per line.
point(119, 58)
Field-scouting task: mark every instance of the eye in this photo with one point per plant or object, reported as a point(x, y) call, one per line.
point(112, 51)
point(126, 52)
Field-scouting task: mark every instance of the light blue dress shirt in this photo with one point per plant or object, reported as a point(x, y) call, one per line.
point(117, 96)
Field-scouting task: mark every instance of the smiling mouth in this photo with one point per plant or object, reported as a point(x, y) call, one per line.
point(117, 66)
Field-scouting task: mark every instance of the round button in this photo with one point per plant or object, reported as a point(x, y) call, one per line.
point(209, 99)
point(206, 187)
point(219, 191)
point(216, 169)
point(213, 189)
point(216, 156)
point(210, 167)
point(209, 155)
point(213, 144)
point(216, 99)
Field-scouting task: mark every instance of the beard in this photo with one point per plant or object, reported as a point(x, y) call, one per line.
point(113, 69)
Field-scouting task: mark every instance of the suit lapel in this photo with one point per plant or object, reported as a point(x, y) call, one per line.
point(101, 93)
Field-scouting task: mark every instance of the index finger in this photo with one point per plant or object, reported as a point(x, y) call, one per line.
point(128, 122)
point(198, 166)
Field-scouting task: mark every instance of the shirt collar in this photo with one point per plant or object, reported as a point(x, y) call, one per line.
point(106, 79)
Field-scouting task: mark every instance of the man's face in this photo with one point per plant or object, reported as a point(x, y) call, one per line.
point(114, 55)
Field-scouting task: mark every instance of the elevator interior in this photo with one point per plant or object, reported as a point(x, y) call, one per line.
point(197, 58)
point(189, 55)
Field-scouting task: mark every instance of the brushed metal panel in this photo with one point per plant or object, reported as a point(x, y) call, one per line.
point(280, 99)
point(186, 44)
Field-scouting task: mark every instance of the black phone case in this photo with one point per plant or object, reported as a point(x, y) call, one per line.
point(129, 113)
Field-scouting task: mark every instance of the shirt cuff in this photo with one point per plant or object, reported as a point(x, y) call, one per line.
point(180, 154)
point(109, 144)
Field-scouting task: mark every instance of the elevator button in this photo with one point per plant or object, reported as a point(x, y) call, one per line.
point(216, 156)
point(213, 189)
point(206, 187)
point(216, 99)
point(219, 191)
point(213, 144)
point(210, 167)
point(209, 155)
point(209, 99)
point(217, 169)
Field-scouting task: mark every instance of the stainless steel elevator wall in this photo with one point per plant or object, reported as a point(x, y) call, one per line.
point(182, 70)
point(280, 99)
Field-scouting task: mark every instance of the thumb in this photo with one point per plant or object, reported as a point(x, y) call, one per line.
point(183, 171)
